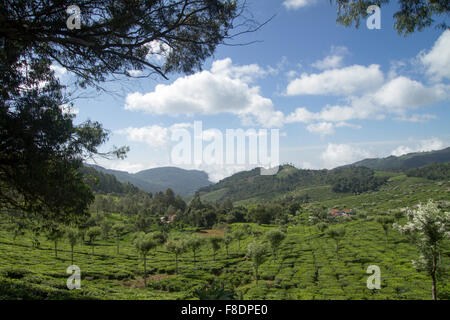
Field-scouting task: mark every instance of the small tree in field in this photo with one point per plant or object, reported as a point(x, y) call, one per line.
point(239, 235)
point(118, 231)
point(92, 234)
point(337, 234)
point(17, 228)
point(275, 238)
point(385, 223)
point(431, 226)
point(177, 247)
point(144, 242)
point(194, 243)
point(215, 243)
point(55, 234)
point(73, 235)
point(256, 251)
point(227, 240)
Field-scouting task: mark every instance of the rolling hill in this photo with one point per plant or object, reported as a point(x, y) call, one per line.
point(405, 162)
point(181, 181)
point(250, 187)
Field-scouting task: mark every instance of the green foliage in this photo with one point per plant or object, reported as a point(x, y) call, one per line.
point(337, 234)
point(216, 291)
point(275, 238)
point(356, 180)
point(412, 15)
point(432, 226)
point(215, 243)
point(434, 171)
point(256, 251)
point(177, 247)
point(195, 243)
point(407, 161)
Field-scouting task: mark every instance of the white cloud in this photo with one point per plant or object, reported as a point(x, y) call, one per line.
point(154, 136)
point(224, 89)
point(301, 115)
point(332, 61)
point(66, 109)
point(420, 146)
point(437, 61)
point(417, 118)
point(296, 4)
point(134, 73)
point(321, 128)
point(246, 73)
point(157, 50)
point(59, 71)
point(341, 154)
point(403, 92)
point(345, 81)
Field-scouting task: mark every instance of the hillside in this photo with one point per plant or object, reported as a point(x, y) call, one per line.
point(251, 187)
point(182, 182)
point(106, 183)
point(405, 162)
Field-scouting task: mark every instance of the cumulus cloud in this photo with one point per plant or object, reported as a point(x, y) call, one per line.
point(437, 60)
point(296, 4)
point(396, 96)
point(341, 82)
point(154, 136)
point(332, 61)
point(321, 128)
point(420, 146)
point(403, 92)
point(341, 154)
point(224, 89)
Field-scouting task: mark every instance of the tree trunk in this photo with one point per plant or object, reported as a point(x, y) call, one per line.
point(145, 271)
point(56, 249)
point(72, 255)
point(256, 274)
point(118, 243)
point(433, 277)
point(176, 263)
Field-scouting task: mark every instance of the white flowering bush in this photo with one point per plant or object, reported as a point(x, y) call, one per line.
point(430, 226)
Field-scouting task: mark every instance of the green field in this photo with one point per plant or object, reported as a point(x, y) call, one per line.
point(307, 266)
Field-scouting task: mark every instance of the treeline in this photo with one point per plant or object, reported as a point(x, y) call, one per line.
point(106, 183)
point(355, 180)
point(434, 171)
point(251, 184)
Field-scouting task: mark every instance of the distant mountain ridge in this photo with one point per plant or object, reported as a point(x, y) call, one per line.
point(181, 181)
point(405, 162)
point(250, 186)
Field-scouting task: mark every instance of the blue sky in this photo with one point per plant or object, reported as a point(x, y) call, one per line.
point(337, 94)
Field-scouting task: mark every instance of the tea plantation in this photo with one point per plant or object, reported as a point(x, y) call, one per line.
point(307, 267)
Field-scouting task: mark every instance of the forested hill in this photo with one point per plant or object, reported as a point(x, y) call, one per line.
point(106, 183)
point(251, 185)
point(182, 182)
point(405, 162)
